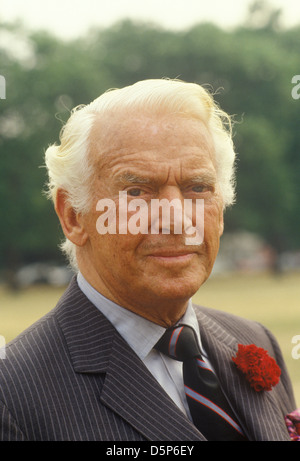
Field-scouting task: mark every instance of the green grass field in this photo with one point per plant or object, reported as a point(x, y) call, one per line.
point(271, 300)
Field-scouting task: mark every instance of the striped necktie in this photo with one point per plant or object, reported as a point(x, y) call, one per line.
point(209, 408)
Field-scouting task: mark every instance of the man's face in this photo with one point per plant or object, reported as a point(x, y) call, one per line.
point(169, 158)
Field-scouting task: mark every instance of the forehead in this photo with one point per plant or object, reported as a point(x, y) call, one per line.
point(137, 139)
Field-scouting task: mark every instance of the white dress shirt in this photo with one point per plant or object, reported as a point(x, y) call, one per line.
point(142, 335)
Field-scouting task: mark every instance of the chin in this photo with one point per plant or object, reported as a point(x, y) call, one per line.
point(178, 290)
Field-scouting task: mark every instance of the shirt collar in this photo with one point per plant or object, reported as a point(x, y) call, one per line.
point(141, 334)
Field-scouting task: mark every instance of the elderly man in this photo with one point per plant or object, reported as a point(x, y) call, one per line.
point(125, 355)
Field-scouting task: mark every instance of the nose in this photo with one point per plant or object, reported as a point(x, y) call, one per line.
point(171, 192)
point(167, 211)
point(172, 214)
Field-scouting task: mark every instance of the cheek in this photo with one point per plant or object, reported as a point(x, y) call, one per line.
point(119, 251)
point(213, 223)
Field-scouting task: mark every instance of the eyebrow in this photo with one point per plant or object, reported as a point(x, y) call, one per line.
point(205, 177)
point(132, 178)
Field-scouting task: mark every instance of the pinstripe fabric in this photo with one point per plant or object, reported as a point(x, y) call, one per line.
point(260, 413)
point(72, 377)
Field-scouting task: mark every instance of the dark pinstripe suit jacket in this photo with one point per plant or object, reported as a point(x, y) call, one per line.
point(72, 377)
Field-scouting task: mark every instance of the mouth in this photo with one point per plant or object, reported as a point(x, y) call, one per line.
point(172, 256)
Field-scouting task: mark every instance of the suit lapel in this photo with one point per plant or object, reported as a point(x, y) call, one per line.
point(129, 389)
point(258, 412)
point(132, 392)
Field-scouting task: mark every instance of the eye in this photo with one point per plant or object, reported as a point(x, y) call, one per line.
point(202, 190)
point(199, 188)
point(135, 192)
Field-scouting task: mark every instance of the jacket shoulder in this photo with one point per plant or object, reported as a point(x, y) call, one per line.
point(246, 330)
point(31, 350)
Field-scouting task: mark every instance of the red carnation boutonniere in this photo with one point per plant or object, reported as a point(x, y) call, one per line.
point(260, 369)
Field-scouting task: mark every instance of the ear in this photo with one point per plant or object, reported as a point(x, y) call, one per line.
point(69, 219)
point(221, 224)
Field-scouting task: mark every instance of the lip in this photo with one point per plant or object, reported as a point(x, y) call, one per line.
point(172, 256)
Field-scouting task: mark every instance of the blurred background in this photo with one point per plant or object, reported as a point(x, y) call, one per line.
point(60, 54)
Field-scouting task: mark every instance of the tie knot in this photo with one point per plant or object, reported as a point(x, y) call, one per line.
point(180, 343)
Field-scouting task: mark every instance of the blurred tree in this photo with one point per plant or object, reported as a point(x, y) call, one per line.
point(43, 84)
point(264, 190)
point(263, 15)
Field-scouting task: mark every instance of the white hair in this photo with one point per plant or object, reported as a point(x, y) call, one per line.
point(68, 163)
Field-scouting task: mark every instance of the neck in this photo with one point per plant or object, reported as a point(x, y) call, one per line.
point(166, 315)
